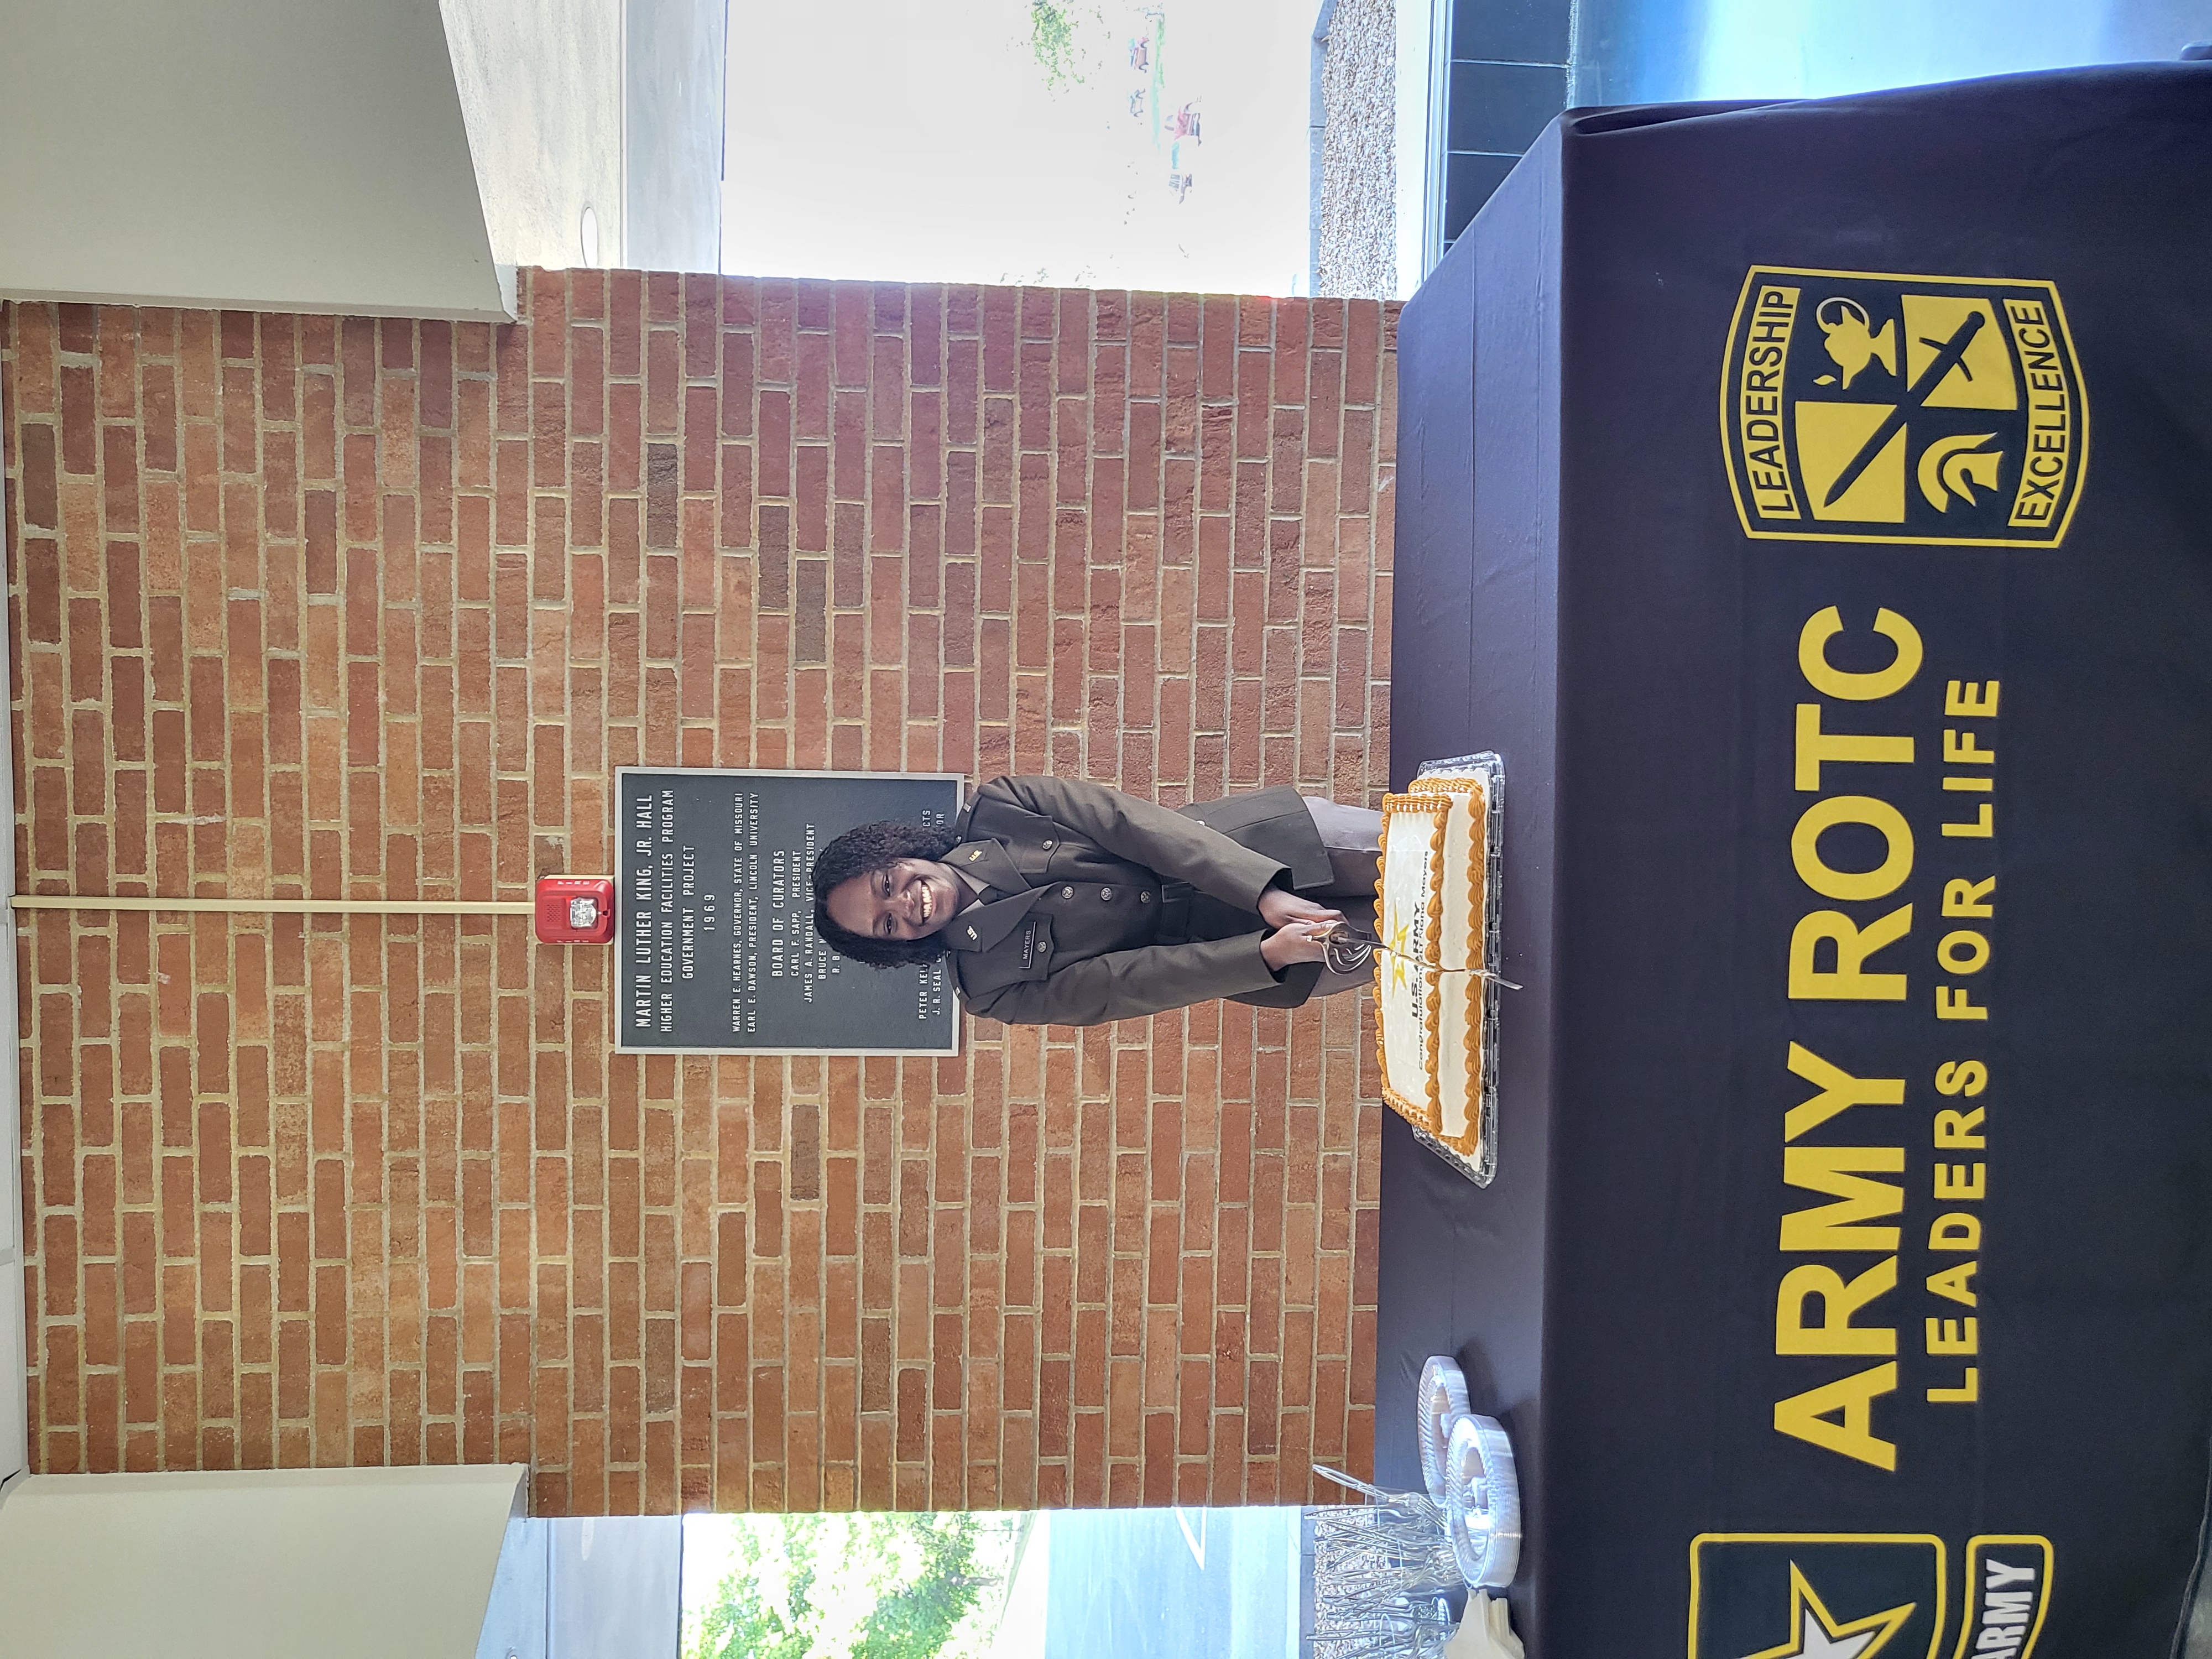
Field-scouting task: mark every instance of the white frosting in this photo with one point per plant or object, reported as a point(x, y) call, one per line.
point(1413, 998)
point(1410, 862)
point(1405, 1021)
point(1430, 917)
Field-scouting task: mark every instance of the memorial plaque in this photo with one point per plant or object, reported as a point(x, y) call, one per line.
point(714, 940)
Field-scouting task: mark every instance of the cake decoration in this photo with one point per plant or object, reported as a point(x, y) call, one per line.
point(1436, 987)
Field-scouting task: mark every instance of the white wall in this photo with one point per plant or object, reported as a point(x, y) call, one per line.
point(1420, 36)
point(541, 84)
point(338, 1564)
point(674, 65)
point(257, 154)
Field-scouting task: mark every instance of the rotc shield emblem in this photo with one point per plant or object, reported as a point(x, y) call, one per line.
point(1870, 407)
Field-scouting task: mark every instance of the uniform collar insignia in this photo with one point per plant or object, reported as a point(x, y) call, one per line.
point(990, 863)
point(986, 922)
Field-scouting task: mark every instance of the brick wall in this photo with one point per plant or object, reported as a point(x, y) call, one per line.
point(308, 606)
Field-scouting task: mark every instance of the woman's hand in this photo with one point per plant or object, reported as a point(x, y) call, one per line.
point(1280, 909)
point(1297, 922)
point(1302, 941)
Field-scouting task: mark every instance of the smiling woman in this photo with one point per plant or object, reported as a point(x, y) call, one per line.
point(873, 885)
point(1055, 902)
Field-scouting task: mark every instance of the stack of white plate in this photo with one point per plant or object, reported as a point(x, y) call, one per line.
point(1467, 1461)
point(1482, 1502)
point(1443, 1402)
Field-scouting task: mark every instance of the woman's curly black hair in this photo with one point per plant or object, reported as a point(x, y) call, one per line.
point(862, 852)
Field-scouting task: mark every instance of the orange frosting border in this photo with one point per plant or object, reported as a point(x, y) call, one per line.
point(1429, 1112)
point(1478, 873)
point(1477, 879)
point(1470, 1144)
point(1436, 809)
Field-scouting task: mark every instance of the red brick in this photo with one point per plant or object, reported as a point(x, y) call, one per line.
point(1028, 538)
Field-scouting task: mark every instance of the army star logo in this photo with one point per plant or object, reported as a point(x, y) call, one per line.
point(1753, 1595)
point(1816, 1635)
point(1868, 406)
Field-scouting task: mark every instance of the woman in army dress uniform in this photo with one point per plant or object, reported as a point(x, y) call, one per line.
point(1055, 902)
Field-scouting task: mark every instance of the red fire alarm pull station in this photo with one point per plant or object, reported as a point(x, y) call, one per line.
point(576, 909)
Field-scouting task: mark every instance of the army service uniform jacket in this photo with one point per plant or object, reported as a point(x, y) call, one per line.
point(1101, 907)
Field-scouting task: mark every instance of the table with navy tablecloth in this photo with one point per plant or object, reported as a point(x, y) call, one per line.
point(1811, 504)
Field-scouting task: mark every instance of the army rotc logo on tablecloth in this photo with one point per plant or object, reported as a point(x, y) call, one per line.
point(1863, 406)
point(1865, 1596)
point(1806, 1596)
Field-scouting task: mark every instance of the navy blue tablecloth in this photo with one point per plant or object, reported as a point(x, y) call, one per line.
point(1812, 503)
